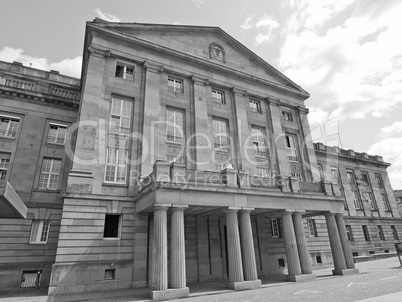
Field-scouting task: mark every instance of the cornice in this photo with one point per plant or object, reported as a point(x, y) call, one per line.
point(303, 110)
point(98, 51)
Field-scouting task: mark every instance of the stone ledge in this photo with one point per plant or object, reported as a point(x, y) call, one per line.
point(301, 278)
point(245, 285)
point(345, 272)
point(170, 293)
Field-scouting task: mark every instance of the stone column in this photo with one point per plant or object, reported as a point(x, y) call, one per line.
point(336, 246)
point(234, 250)
point(292, 254)
point(159, 250)
point(247, 246)
point(177, 249)
point(301, 241)
point(350, 264)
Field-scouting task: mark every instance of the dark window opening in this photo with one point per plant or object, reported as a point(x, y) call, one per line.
point(110, 274)
point(111, 226)
point(371, 252)
point(366, 233)
point(318, 258)
point(281, 262)
point(355, 254)
point(386, 251)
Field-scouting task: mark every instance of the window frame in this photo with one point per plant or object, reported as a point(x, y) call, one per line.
point(312, 228)
point(119, 226)
point(366, 233)
point(357, 200)
point(287, 114)
point(176, 82)
point(116, 165)
point(50, 173)
point(349, 232)
point(14, 130)
point(365, 178)
point(256, 108)
point(379, 180)
point(372, 202)
point(387, 205)
point(56, 136)
point(380, 232)
point(42, 225)
point(275, 228)
point(4, 164)
point(176, 127)
point(222, 136)
point(394, 232)
point(259, 141)
point(125, 74)
point(215, 99)
point(335, 176)
point(292, 150)
point(120, 116)
point(352, 178)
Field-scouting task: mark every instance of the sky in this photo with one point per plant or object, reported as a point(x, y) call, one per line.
point(346, 53)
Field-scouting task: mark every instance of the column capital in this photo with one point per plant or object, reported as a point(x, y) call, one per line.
point(274, 102)
point(175, 208)
point(239, 92)
point(199, 81)
point(329, 214)
point(286, 212)
point(99, 52)
point(303, 110)
point(153, 68)
point(231, 210)
point(339, 215)
point(161, 207)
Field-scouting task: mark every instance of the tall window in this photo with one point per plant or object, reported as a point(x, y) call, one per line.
point(298, 176)
point(174, 128)
point(356, 200)
point(57, 134)
point(349, 232)
point(379, 180)
point(380, 232)
point(365, 178)
point(116, 165)
point(4, 162)
point(394, 232)
point(255, 106)
point(112, 226)
point(39, 231)
point(259, 141)
point(8, 126)
point(384, 198)
point(218, 96)
point(275, 228)
point(371, 200)
point(366, 233)
point(287, 115)
point(321, 171)
point(175, 85)
point(49, 175)
point(120, 116)
point(312, 230)
point(220, 135)
point(291, 148)
point(125, 72)
point(351, 176)
point(334, 173)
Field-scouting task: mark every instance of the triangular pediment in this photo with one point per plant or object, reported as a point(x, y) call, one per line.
point(196, 41)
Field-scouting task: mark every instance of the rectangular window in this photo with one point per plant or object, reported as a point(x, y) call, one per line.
point(4, 163)
point(365, 179)
point(387, 206)
point(31, 278)
point(39, 231)
point(259, 141)
point(218, 96)
point(334, 173)
point(351, 176)
point(110, 274)
point(371, 200)
point(175, 85)
point(378, 179)
point(8, 126)
point(349, 232)
point(174, 127)
point(116, 165)
point(112, 226)
point(287, 115)
point(291, 148)
point(120, 116)
point(366, 233)
point(220, 135)
point(275, 228)
point(322, 177)
point(255, 106)
point(174, 159)
point(125, 72)
point(49, 175)
point(312, 230)
point(298, 176)
point(262, 172)
point(56, 134)
point(356, 200)
point(394, 232)
point(380, 232)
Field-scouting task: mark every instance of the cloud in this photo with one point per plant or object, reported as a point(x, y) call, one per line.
point(70, 67)
point(106, 16)
point(392, 130)
point(390, 149)
point(263, 27)
point(353, 63)
point(198, 3)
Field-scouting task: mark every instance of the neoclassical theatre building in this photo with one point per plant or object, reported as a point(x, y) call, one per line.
point(180, 156)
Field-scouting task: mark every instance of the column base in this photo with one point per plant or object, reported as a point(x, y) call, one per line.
point(344, 272)
point(170, 293)
point(301, 278)
point(244, 285)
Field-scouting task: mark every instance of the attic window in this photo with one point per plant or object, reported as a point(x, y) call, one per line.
point(125, 72)
point(217, 52)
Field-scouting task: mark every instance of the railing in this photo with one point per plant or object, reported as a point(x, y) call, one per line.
point(64, 93)
point(264, 182)
point(20, 84)
point(311, 187)
point(205, 177)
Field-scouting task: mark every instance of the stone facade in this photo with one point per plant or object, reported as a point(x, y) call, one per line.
point(190, 164)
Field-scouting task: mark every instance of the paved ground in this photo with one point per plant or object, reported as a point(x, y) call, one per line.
point(378, 281)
